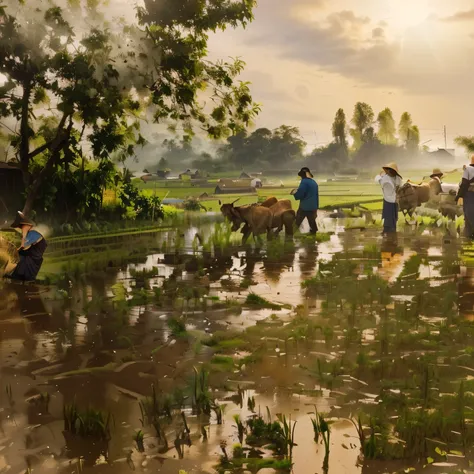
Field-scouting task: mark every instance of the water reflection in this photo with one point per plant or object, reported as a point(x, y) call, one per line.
point(373, 314)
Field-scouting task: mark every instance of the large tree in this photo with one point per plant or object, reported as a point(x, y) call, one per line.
point(408, 133)
point(467, 142)
point(77, 84)
point(264, 147)
point(362, 119)
point(386, 127)
point(339, 129)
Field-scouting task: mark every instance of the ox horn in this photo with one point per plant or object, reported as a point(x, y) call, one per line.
point(233, 202)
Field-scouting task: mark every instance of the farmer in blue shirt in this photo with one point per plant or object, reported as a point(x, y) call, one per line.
point(308, 196)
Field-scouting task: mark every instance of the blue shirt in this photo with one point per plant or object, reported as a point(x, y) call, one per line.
point(308, 195)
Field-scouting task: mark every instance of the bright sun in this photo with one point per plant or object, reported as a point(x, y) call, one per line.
point(404, 14)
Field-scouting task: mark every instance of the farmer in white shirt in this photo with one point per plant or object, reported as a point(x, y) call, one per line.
point(390, 180)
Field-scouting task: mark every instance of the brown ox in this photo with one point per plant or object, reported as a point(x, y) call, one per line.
point(411, 195)
point(257, 219)
point(283, 214)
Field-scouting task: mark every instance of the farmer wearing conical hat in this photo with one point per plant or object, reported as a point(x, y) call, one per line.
point(466, 192)
point(390, 180)
point(437, 174)
point(30, 251)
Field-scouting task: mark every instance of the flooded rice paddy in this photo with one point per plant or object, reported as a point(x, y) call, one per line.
point(181, 350)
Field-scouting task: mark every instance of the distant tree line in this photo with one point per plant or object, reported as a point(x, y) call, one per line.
point(364, 143)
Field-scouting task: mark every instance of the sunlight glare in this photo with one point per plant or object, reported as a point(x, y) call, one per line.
point(407, 13)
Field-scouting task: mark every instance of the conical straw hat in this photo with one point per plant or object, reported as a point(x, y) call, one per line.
point(392, 166)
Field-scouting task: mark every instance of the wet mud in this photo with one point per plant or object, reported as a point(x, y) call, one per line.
point(164, 355)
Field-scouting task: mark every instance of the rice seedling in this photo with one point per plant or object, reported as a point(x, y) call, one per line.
point(251, 404)
point(9, 392)
point(139, 437)
point(240, 428)
point(219, 411)
point(225, 456)
point(89, 423)
point(289, 435)
point(257, 301)
point(202, 401)
point(322, 430)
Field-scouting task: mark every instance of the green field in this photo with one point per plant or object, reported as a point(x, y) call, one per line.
point(331, 194)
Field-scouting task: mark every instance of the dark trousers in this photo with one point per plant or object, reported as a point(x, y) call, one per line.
point(311, 216)
point(390, 217)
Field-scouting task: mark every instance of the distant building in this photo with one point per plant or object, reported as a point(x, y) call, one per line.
point(244, 175)
point(188, 174)
point(12, 189)
point(163, 174)
point(443, 155)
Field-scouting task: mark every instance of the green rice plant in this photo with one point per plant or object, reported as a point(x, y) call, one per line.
point(219, 411)
point(90, 423)
point(461, 412)
point(139, 437)
point(225, 456)
point(257, 301)
point(202, 401)
point(251, 404)
point(151, 408)
point(240, 428)
point(289, 435)
point(360, 431)
point(9, 392)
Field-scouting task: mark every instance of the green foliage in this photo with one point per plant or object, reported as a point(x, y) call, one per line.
point(139, 437)
point(177, 327)
point(339, 129)
point(466, 142)
point(264, 147)
point(257, 301)
point(145, 207)
point(89, 423)
point(101, 84)
point(362, 120)
point(386, 127)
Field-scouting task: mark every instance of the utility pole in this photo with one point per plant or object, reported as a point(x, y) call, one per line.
point(445, 139)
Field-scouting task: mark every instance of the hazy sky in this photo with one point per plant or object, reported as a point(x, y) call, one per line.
point(307, 58)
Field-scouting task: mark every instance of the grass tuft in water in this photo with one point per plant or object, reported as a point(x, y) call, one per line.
point(257, 301)
point(139, 438)
point(90, 423)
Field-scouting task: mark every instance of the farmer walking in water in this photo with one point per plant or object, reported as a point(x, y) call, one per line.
point(390, 180)
point(308, 196)
point(466, 192)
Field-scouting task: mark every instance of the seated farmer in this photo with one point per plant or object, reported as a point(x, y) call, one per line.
point(31, 250)
point(390, 180)
point(308, 196)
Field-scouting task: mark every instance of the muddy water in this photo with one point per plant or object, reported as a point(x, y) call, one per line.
point(331, 346)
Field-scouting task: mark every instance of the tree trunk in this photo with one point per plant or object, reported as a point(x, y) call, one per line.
point(24, 149)
point(59, 143)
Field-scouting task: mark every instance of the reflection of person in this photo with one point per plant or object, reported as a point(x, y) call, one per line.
point(308, 196)
point(466, 192)
point(389, 179)
point(31, 250)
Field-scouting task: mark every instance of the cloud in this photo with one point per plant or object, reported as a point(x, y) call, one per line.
point(342, 43)
point(378, 33)
point(467, 15)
